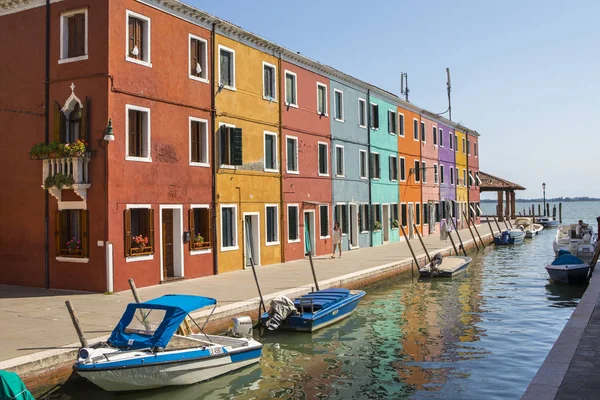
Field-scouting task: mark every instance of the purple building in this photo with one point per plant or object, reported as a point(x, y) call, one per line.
point(447, 167)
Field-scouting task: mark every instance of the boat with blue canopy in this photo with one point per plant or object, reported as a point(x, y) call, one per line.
point(145, 350)
point(568, 268)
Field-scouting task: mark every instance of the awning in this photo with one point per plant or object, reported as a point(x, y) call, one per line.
point(477, 178)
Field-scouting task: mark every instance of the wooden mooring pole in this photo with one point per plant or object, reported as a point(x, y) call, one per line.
point(490, 225)
point(76, 324)
point(411, 250)
point(422, 244)
point(452, 241)
point(498, 225)
point(312, 266)
point(560, 212)
point(470, 230)
point(478, 235)
point(459, 239)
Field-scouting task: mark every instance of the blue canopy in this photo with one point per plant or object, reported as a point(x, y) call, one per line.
point(567, 259)
point(176, 308)
point(563, 252)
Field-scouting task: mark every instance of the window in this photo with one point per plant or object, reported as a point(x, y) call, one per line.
point(229, 235)
point(425, 214)
point(471, 178)
point(375, 167)
point(478, 209)
point(323, 164)
point(324, 219)
point(200, 228)
point(321, 99)
point(198, 67)
point(468, 147)
point(71, 233)
point(270, 159)
point(230, 145)
point(71, 121)
point(339, 160)
point(374, 116)
point(293, 225)
point(402, 169)
point(269, 82)
point(376, 214)
point(463, 146)
point(456, 143)
point(291, 89)
point(434, 134)
point(73, 36)
point(403, 215)
point(424, 173)
point(198, 142)
point(415, 129)
point(341, 216)
point(362, 164)
point(464, 177)
point(423, 139)
point(362, 113)
point(271, 218)
point(394, 211)
point(226, 68)
point(392, 122)
point(451, 176)
point(339, 105)
point(393, 167)
point(417, 171)
point(138, 133)
point(457, 177)
point(441, 137)
point(139, 231)
point(442, 174)
point(450, 140)
point(443, 209)
point(292, 154)
point(401, 124)
point(475, 149)
point(477, 180)
point(363, 217)
point(435, 174)
point(437, 212)
point(418, 213)
point(138, 39)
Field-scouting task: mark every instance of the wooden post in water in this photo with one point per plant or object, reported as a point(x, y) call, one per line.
point(539, 210)
point(411, 250)
point(422, 244)
point(470, 230)
point(560, 212)
point(478, 235)
point(554, 211)
point(312, 266)
point(250, 247)
point(498, 225)
point(505, 224)
point(76, 324)
point(548, 209)
point(459, 239)
point(452, 241)
point(490, 225)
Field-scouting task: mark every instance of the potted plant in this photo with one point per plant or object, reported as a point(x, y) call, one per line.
point(198, 238)
point(395, 223)
point(76, 149)
point(377, 226)
point(73, 245)
point(140, 241)
point(58, 180)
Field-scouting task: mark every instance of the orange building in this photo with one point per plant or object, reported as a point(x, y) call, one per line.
point(409, 160)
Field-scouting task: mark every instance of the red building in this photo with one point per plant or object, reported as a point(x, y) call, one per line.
point(473, 178)
point(306, 159)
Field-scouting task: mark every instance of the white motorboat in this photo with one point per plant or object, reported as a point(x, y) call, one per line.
point(581, 245)
point(547, 222)
point(509, 236)
point(143, 351)
point(527, 226)
point(568, 269)
point(445, 266)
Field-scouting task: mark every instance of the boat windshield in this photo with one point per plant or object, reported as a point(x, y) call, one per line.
point(146, 321)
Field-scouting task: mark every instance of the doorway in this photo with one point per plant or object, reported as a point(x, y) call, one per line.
point(251, 239)
point(411, 219)
point(353, 226)
point(309, 233)
point(171, 242)
point(386, 222)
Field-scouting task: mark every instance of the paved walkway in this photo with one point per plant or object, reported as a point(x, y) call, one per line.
point(34, 320)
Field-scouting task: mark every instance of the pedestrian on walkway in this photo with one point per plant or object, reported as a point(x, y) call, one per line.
point(337, 239)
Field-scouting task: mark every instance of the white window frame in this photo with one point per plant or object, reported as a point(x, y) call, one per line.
point(455, 143)
point(417, 167)
point(401, 131)
point(451, 146)
point(146, 257)
point(339, 146)
point(452, 176)
point(275, 152)
point(203, 251)
point(390, 214)
point(221, 165)
point(423, 132)
point(227, 49)
point(372, 119)
point(436, 176)
point(440, 137)
point(267, 243)
point(335, 92)
point(319, 84)
point(235, 225)
point(286, 73)
point(297, 171)
point(418, 138)
point(360, 153)
point(464, 177)
point(319, 158)
point(424, 171)
point(328, 221)
point(204, 139)
point(205, 68)
point(400, 169)
point(464, 145)
point(363, 207)
point(147, 39)
point(64, 40)
point(395, 131)
point(397, 167)
point(297, 207)
point(441, 173)
point(364, 102)
point(274, 98)
point(149, 140)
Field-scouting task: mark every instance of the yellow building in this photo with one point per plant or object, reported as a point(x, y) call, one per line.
point(462, 191)
point(248, 154)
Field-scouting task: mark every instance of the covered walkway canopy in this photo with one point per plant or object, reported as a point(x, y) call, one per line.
point(491, 183)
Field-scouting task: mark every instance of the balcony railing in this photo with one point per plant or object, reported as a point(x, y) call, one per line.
point(71, 168)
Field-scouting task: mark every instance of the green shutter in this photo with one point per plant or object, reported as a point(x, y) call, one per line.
point(236, 146)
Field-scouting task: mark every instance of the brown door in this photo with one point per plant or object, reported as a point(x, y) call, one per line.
point(167, 250)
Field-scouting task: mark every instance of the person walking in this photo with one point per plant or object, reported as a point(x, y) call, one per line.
point(337, 239)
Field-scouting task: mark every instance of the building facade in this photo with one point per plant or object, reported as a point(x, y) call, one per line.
point(447, 168)
point(462, 191)
point(430, 178)
point(474, 181)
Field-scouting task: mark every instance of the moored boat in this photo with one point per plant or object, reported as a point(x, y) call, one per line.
point(527, 226)
point(445, 266)
point(581, 242)
point(509, 237)
point(547, 222)
point(568, 269)
point(143, 351)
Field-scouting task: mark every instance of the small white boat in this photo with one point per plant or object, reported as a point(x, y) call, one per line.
point(527, 226)
point(568, 269)
point(509, 236)
point(582, 245)
point(143, 351)
point(445, 266)
point(547, 222)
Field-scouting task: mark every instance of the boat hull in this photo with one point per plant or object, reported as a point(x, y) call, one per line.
point(511, 241)
point(571, 274)
point(425, 272)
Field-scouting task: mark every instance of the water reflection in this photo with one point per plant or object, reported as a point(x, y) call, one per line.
point(561, 295)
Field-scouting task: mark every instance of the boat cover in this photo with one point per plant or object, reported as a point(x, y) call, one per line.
point(322, 298)
point(280, 308)
point(567, 259)
point(12, 387)
point(563, 252)
point(176, 307)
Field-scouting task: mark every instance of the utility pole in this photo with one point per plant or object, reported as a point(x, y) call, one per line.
point(404, 85)
point(449, 89)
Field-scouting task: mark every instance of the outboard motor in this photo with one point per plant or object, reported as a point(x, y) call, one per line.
point(241, 327)
point(435, 262)
point(280, 308)
point(505, 238)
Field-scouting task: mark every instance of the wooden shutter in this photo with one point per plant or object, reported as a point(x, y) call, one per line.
point(194, 140)
point(57, 233)
point(84, 125)
point(194, 57)
point(78, 34)
point(84, 233)
point(131, 45)
point(127, 229)
point(191, 228)
point(151, 227)
point(213, 240)
point(236, 146)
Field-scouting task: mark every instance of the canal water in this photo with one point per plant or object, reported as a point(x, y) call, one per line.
point(481, 335)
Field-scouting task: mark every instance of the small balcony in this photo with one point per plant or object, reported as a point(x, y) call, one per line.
point(66, 173)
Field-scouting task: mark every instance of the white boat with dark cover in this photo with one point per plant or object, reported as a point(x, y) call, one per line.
point(547, 222)
point(509, 237)
point(445, 266)
point(143, 351)
point(527, 226)
point(581, 242)
point(568, 269)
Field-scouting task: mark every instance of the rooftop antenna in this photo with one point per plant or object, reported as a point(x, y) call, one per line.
point(404, 85)
point(449, 89)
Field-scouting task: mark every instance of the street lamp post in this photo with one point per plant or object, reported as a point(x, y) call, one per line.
point(544, 189)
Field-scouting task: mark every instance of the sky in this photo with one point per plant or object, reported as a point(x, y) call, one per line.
point(524, 73)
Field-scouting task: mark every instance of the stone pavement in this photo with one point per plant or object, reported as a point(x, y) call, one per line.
point(36, 320)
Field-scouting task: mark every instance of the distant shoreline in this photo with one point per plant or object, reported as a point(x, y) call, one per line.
point(554, 200)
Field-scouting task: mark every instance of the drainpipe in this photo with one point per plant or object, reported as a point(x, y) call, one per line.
point(213, 164)
point(281, 142)
point(368, 105)
point(47, 140)
point(468, 177)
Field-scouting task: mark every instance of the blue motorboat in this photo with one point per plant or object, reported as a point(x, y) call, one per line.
point(567, 268)
point(312, 311)
point(509, 237)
